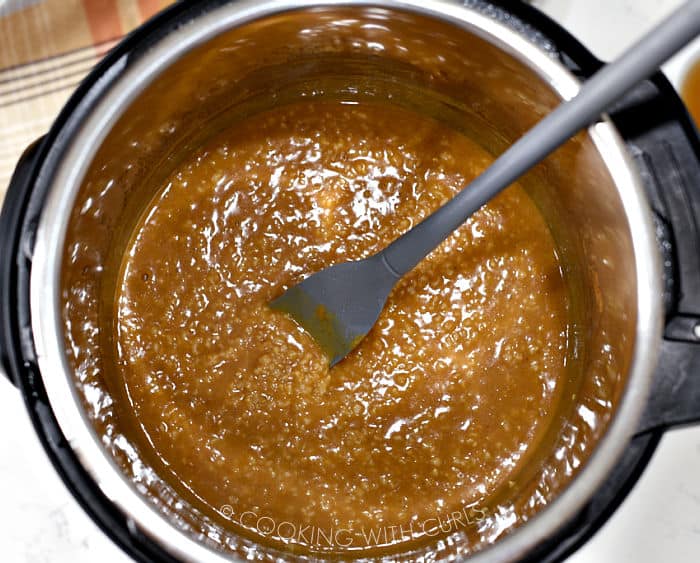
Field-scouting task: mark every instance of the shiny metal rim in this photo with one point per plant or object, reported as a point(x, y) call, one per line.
point(65, 183)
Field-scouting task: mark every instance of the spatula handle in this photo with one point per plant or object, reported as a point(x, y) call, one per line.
point(596, 95)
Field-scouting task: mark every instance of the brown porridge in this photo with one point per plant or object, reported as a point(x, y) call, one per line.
point(438, 408)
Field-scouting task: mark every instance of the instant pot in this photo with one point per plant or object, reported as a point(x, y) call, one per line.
point(649, 147)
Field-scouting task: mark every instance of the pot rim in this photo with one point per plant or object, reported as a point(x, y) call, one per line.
point(81, 145)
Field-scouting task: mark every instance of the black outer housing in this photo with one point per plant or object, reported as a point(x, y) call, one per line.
point(659, 134)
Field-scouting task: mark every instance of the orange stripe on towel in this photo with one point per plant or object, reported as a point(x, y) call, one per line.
point(149, 7)
point(103, 20)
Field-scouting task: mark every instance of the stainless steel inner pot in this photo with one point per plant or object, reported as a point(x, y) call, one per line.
point(445, 60)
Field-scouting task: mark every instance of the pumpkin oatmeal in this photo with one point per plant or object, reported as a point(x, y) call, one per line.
point(436, 410)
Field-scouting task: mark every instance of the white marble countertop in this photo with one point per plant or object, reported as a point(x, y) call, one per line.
point(659, 521)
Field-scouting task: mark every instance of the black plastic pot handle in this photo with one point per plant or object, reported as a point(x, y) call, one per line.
point(11, 220)
point(675, 394)
point(665, 145)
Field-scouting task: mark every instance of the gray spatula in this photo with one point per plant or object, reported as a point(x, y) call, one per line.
point(339, 305)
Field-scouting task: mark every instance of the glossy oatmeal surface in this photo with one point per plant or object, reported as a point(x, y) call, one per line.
point(435, 412)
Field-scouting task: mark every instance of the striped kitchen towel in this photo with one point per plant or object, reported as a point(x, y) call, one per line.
point(46, 48)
